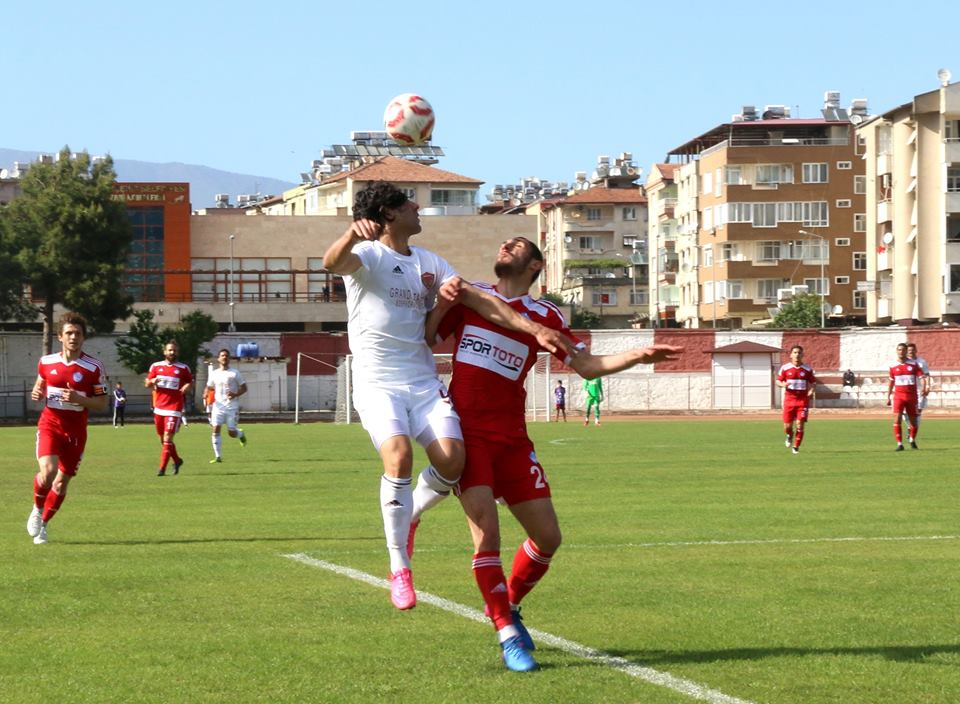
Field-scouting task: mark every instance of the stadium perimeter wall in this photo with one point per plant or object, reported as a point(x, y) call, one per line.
point(679, 385)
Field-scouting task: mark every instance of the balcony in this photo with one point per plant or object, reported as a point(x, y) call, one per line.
point(666, 208)
point(884, 211)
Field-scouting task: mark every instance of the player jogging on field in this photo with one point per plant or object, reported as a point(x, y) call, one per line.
point(925, 368)
point(799, 384)
point(489, 368)
point(170, 381)
point(560, 401)
point(227, 385)
point(390, 287)
point(73, 384)
point(593, 389)
point(905, 376)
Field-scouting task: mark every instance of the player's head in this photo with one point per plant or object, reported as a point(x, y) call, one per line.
point(71, 330)
point(387, 205)
point(519, 256)
point(796, 354)
point(911, 351)
point(902, 351)
point(119, 384)
point(223, 358)
point(559, 383)
point(170, 350)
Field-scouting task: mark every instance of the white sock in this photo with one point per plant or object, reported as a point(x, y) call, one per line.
point(217, 443)
point(432, 488)
point(396, 505)
point(507, 632)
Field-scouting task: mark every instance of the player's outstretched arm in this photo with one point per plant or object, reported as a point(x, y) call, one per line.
point(39, 386)
point(591, 366)
point(339, 257)
point(447, 299)
point(496, 311)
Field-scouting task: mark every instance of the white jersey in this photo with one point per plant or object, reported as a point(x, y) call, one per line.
point(388, 299)
point(222, 381)
point(922, 363)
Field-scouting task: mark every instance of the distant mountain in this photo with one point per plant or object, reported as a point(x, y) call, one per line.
point(204, 182)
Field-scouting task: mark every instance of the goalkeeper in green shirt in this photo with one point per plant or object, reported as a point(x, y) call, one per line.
point(594, 391)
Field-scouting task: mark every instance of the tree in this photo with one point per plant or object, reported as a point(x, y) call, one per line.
point(69, 240)
point(802, 312)
point(143, 345)
point(583, 319)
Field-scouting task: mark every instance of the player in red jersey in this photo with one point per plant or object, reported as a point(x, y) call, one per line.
point(798, 383)
point(73, 384)
point(170, 381)
point(490, 365)
point(905, 375)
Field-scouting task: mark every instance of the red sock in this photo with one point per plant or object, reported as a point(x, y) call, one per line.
point(898, 433)
point(164, 455)
point(52, 504)
point(529, 565)
point(913, 430)
point(488, 571)
point(173, 452)
point(39, 493)
point(799, 438)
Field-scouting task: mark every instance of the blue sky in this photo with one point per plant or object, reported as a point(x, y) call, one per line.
point(520, 89)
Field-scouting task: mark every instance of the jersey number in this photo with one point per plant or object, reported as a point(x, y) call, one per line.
point(540, 482)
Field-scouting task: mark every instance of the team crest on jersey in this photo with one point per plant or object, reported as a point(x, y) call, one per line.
point(78, 377)
point(428, 279)
point(53, 372)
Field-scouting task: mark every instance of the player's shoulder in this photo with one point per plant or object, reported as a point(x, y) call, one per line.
point(181, 366)
point(787, 367)
point(90, 363)
point(49, 359)
point(807, 367)
point(158, 365)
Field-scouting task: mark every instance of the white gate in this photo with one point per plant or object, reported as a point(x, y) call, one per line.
point(742, 380)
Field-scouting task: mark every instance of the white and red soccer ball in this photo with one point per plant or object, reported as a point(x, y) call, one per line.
point(408, 120)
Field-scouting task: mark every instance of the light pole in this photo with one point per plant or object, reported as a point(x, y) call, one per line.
point(823, 281)
point(232, 327)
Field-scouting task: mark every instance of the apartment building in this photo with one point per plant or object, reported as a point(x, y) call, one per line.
point(765, 206)
point(912, 157)
point(663, 257)
point(594, 245)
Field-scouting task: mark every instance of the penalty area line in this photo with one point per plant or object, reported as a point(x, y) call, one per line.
point(659, 678)
point(768, 541)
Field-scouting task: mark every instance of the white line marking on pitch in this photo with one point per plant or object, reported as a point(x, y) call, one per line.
point(647, 674)
point(770, 541)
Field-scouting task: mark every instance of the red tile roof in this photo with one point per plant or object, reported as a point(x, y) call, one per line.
point(395, 170)
point(607, 195)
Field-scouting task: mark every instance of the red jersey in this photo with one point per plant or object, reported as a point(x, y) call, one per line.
point(799, 381)
point(490, 363)
point(906, 376)
point(84, 375)
point(168, 394)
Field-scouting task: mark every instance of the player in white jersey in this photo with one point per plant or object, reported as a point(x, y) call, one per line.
point(227, 385)
point(391, 286)
point(925, 368)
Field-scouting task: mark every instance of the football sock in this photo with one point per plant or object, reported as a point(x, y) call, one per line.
point(396, 505)
point(913, 426)
point(240, 435)
point(173, 453)
point(52, 504)
point(488, 571)
point(798, 438)
point(431, 489)
point(164, 455)
point(217, 443)
point(39, 493)
point(898, 432)
point(529, 565)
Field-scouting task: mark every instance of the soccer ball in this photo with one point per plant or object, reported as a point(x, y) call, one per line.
point(408, 120)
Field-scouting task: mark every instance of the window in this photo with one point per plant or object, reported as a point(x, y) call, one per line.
point(842, 241)
point(143, 277)
point(728, 252)
point(953, 228)
point(859, 261)
point(718, 182)
point(764, 214)
point(708, 256)
point(814, 214)
point(814, 173)
point(630, 240)
point(767, 288)
point(841, 280)
point(772, 174)
point(789, 212)
point(951, 130)
point(593, 214)
point(708, 218)
point(860, 185)
point(734, 175)
point(707, 183)
point(954, 278)
point(630, 213)
point(606, 297)
point(729, 289)
point(860, 222)
point(953, 179)
point(454, 197)
point(707, 294)
point(319, 281)
point(639, 298)
point(588, 243)
point(818, 286)
point(410, 193)
point(859, 299)
point(844, 203)
point(844, 165)
point(739, 212)
point(768, 251)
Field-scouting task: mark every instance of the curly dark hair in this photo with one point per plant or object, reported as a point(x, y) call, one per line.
point(370, 202)
point(72, 318)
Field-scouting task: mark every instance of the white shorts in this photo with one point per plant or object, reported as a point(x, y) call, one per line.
point(422, 411)
point(224, 416)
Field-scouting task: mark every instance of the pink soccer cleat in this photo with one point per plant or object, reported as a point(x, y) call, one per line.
point(402, 593)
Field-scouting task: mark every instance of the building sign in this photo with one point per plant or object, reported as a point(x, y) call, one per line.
point(866, 285)
point(150, 192)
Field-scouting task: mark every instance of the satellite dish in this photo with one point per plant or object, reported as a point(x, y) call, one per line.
point(685, 267)
point(838, 310)
point(4, 173)
point(568, 239)
point(887, 237)
point(944, 76)
point(856, 119)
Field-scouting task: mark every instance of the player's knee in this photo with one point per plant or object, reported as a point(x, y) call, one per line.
point(548, 538)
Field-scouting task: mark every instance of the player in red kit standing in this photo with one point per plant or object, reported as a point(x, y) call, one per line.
point(905, 375)
point(73, 384)
point(490, 365)
point(798, 383)
point(171, 381)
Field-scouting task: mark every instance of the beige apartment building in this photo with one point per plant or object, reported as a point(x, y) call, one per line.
point(912, 157)
point(763, 207)
point(594, 246)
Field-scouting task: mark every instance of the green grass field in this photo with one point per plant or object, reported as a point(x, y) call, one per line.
point(697, 548)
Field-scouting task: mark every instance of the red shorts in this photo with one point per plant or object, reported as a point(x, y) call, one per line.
point(905, 405)
point(508, 466)
point(795, 411)
point(166, 424)
point(66, 446)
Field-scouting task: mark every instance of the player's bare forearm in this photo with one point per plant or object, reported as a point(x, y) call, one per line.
point(38, 388)
point(591, 366)
point(498, 312)
point(187, 388)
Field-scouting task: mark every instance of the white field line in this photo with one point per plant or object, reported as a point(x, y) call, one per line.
point(770, 541)
point(647, 674)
